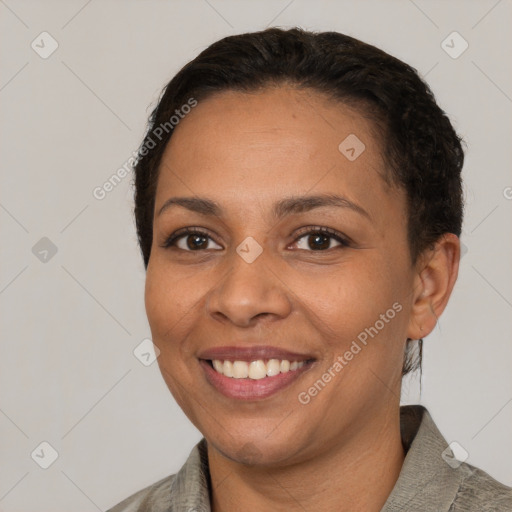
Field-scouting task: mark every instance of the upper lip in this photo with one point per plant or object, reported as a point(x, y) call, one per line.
point(251, 353)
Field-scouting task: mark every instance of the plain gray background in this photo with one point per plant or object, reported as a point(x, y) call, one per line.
point(71, 320)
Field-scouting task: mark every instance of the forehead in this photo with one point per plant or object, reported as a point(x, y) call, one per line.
point(249, 147)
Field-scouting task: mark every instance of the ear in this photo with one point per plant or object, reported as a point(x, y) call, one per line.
point(435, 275)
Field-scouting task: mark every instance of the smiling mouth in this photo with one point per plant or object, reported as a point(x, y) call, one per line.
point(257, 369)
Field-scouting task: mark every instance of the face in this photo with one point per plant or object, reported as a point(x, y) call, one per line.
point(266, 275)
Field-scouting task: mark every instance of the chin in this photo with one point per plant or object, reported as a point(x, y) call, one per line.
point(254, 450)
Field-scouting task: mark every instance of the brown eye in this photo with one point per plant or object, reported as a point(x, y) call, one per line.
point(194, 242)
point(320, 239)
point(189, 240)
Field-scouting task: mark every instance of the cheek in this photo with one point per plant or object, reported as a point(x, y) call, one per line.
point(168, 300)
point(346, 299)
point(360, 315)
point(168, 309)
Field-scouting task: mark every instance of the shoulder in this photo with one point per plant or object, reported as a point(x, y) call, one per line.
point(154, 498)
point(478, 491)
point(432, 479)
point(189, 486)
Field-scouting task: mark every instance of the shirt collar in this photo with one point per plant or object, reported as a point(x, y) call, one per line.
point(190, 489)
point(426, 482)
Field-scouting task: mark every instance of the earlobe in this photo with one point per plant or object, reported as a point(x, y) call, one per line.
point(436, 274)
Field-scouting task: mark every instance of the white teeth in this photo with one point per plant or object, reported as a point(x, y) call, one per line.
point(256, 370)
point(273, 367)
point(227, 369)
point(240, 370)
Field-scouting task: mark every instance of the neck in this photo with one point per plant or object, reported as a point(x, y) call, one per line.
point(338, 480)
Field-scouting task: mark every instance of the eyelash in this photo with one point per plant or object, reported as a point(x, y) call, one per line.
point(344, 241)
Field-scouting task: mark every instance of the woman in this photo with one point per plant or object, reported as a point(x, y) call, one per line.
point(298, 204)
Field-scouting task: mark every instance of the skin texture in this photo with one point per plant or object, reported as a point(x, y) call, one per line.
point(247, 151)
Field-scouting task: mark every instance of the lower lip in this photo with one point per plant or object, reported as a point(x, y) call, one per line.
point(251, 389)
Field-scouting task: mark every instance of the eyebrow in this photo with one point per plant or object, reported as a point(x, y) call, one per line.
point(282, 208)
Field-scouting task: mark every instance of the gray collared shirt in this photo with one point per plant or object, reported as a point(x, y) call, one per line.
point(430, 480)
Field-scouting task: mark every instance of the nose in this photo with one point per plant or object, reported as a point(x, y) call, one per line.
point(249, 291)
